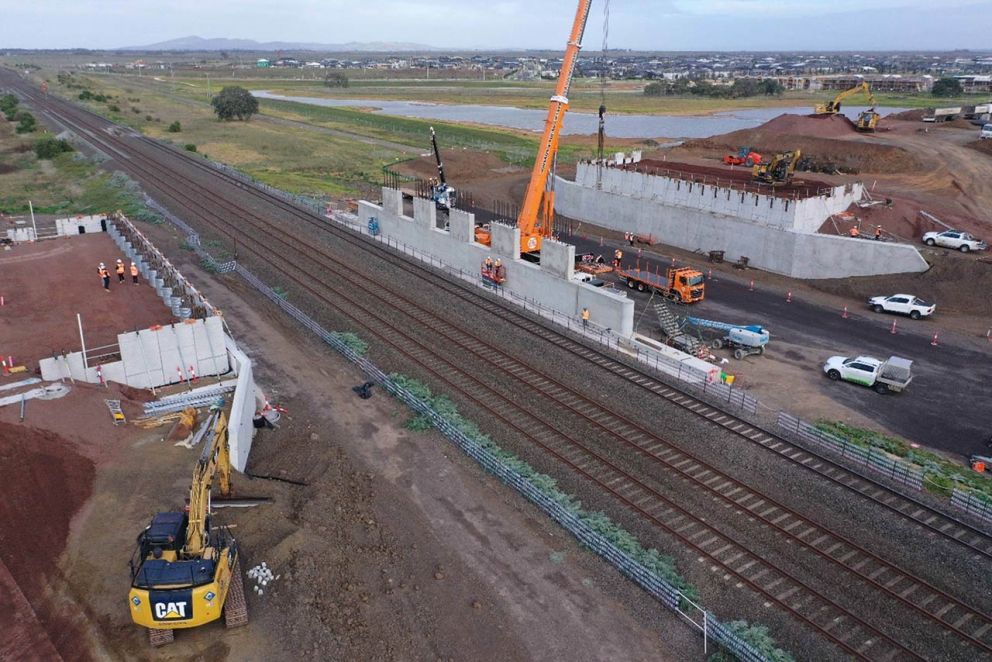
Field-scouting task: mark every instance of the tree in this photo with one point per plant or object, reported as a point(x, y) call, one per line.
point(175, 127)
point(654, 89)
point(234, 102)
point(8, 104)
point(48, 147)
point(771, 87)
point(335, 79)
point(947, 87)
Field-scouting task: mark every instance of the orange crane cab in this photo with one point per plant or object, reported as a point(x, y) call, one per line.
point(537, 213)
point(680, 284)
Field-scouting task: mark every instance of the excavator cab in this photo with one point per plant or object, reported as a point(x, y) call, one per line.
point(779, 171)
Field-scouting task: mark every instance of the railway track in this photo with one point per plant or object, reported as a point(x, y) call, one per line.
point(809, 605)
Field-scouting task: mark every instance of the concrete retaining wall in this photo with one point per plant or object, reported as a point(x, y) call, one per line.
point(773, 248)
point(240, 430)
point(152, 357)
point(67, 227)
point(804, 215)
point(546, 284)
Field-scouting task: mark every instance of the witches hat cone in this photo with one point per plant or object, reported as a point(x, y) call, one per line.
point(750, 287)
point(788, 297)
point(933, 342)
point(893, 329)
point(844, 315)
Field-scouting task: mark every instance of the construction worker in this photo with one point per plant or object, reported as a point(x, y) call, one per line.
point(134, 273)
point(617, 258)
point(630, 238)
point(585, 318)
point(487, 268)
point(855, 232)
point(105, 276)
point(120, 270)
point(499, 273)
point(878, 233)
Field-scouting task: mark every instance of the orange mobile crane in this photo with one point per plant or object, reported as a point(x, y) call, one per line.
point(537, 213)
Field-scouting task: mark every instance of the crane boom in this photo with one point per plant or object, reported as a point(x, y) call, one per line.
point(437, 157)
point(537, 212)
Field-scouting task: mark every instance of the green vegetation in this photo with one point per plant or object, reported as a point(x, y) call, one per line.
point(8, 104)
point(25, 122)
point(947, 87)
point(940, 475)
point(234, 102)
point(175, 127)
point(189, 147)
point(759, 639)
point(741, 88)
point(48, 147)
point(353, 341)
point(335, 79)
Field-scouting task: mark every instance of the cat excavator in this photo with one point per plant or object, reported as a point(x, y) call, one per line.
point(537, 213)
point(867, 120)
point(779, 171)
point(185, 572)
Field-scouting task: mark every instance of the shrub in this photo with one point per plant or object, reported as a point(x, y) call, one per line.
point(175, 127)
point(25, 122)
point(336, 79)
point(189, 147)
point(149, 118)
point(114, 108)
point(135, 110)
point(8, 103)
point(48, 147)
point(85, 95)
point(947, 87)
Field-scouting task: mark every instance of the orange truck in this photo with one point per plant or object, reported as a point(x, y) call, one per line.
point(680, 284)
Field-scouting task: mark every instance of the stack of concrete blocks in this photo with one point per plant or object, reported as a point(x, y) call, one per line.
point(21, 235)
point(776, 234)
point(550, 284)
point(68, 227)
point(153, 357)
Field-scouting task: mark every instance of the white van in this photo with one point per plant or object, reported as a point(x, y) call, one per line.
point(986, 133)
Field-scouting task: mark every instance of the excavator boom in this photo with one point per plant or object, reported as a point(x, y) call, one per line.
point(833, 107)
point(537, 212)
point(215, 460)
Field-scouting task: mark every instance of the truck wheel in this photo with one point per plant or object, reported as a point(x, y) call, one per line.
point(834, 375)
point(877, 308)
point(881, 388)
point(717, 344)
point(631, 283)
point(677, 297)
point(964, 248)
point(761, 350)
point(914, 314)
point(931, 242)
point(739, 354)
point(640, 287)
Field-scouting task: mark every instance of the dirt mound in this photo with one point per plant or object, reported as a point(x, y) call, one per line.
point(813, 126)
point(459, 166)
point(983, 146)
point(914, 115)
point(955, 284)
point(45, 482)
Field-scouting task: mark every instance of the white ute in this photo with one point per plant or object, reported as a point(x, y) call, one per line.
point(905, 304)
point(961, 241)
point(883, 376)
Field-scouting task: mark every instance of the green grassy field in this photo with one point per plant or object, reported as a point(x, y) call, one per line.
point(65, 185)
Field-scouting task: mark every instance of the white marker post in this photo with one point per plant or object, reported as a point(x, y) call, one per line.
point(31, 207)
point(79, 320)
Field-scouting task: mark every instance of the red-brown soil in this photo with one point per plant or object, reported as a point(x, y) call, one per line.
point(46, 283)
point(45, 482)
point(737, 178)
point(830, 143)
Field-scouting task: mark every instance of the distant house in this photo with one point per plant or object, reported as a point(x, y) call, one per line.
point(262, 63)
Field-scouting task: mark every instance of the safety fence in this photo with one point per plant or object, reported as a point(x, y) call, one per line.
point(871, 458)
point(656, 586)
point(972, 504)
point(696, 380)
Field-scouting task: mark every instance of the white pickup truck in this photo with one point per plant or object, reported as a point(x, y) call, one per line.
point(905, 304)
point(961, 241)
point(883, 376)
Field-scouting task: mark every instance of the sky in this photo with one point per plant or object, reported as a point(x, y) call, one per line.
point(661, 25)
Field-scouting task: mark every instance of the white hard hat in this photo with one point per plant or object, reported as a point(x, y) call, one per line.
point(102, 265)
point(119, 260)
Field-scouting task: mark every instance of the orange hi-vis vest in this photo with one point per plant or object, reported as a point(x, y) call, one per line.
point(120, 269)
point(134, 270)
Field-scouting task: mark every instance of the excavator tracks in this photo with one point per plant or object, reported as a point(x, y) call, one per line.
point(159, 638)
point(235, 606)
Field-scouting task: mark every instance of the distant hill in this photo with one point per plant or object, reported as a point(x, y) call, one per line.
point(194, 43)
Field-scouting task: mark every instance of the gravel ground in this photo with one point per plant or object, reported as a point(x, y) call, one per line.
point(893, 539)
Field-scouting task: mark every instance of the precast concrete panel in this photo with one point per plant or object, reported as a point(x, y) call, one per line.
point(392, 201)
point(505, 240)
point(424, 213)
point(558, 259)
point(133, 358)
point(461, 225)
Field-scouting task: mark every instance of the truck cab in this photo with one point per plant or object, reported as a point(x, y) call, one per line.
point(688, 284)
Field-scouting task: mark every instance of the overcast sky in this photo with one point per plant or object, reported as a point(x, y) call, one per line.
point(772, 25)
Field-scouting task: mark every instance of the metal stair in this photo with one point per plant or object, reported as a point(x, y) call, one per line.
point(673, 327)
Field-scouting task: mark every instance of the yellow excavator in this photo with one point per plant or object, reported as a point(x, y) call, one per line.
point(779, 171)
point(867, 120)
point(537, 214)
point(185, 572)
